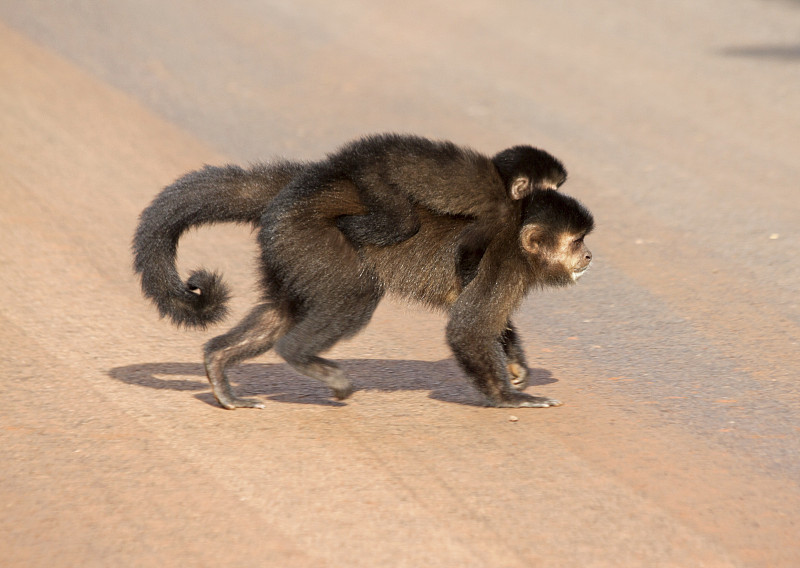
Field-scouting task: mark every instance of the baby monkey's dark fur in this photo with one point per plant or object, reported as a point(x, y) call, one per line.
point(429, 221)
point(394, 174)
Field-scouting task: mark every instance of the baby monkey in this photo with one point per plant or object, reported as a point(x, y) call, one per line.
point(428, 221)
point(394, 174)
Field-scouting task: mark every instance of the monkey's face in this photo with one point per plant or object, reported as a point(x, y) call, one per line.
point(553, 179)
point(559, 259)
point(553, 236)
point(571, 257)
point(576, 255)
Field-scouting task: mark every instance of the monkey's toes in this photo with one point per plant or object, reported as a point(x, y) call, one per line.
point(236, 402)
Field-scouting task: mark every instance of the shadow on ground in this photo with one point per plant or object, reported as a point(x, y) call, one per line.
point(278, 382)
point(778, 52)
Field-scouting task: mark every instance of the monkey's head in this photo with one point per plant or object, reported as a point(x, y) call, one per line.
point(553, 231)
point(525, 169)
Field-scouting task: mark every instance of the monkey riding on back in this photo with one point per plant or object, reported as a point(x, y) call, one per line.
point(426, 220)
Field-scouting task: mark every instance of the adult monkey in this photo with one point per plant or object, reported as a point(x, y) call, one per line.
point(321, 283)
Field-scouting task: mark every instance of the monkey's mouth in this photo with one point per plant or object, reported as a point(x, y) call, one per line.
point(580, 272)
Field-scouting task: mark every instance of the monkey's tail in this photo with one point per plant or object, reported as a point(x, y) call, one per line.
point(210, 195)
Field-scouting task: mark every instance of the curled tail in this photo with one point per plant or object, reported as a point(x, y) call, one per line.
point(210, 195)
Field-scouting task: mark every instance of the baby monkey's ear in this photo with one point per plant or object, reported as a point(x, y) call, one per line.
point(521, 186)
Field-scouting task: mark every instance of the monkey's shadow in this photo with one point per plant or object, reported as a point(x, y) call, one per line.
point(280, 383)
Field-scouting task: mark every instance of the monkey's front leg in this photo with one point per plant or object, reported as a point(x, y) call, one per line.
point(483, 359)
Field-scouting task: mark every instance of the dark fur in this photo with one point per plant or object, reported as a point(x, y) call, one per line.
point(394, 173)
point(321, 286)
point(210, 195)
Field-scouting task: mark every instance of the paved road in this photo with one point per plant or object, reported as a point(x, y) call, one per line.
point(678, 356)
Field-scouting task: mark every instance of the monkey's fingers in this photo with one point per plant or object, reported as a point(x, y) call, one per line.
point(522, 400)
point(541, 402)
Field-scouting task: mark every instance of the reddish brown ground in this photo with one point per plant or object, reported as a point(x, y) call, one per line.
point(677, 356)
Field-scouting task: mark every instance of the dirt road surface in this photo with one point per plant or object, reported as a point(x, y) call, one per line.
point(678, 356)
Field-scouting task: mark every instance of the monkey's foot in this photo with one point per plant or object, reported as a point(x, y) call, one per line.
point(231, 402)
point(518, 376)
point(522, 400)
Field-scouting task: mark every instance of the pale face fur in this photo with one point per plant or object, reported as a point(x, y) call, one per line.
point(575, 255)
point(570, 256)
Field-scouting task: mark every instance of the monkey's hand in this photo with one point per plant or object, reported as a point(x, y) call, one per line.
point(520, 399)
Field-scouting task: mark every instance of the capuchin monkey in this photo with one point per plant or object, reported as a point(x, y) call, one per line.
point(325, 268)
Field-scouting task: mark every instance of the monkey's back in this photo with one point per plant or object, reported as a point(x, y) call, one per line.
point(438, 175)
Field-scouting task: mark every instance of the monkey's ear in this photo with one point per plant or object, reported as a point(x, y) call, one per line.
point(530, 237)
point(520, 187)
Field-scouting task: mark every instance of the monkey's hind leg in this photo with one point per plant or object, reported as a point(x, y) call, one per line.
point(390, 219)
point(319, 330)
point(255, 335)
